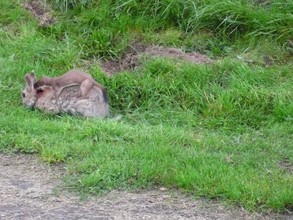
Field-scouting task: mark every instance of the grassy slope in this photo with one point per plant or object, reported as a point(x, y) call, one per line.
point(221, 130)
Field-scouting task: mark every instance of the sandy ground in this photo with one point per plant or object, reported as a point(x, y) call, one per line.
point(30, 189)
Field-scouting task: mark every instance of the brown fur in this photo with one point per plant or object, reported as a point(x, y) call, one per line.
point(72, 77)
point(44, 99)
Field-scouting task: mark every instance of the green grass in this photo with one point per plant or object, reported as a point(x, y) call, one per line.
point(220, 130)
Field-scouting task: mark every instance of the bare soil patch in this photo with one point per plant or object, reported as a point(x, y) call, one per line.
point(286, 165)
point(41, 11)
point(132, 58)
point(30, 189)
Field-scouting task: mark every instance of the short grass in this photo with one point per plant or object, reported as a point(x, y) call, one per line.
point(221, 130)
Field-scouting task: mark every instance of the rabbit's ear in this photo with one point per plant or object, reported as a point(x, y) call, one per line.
point(40, 91)
point(30, 79)
point(33, 76)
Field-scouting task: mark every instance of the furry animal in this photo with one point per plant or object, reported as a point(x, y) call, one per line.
point(72, 77)
point(44, 98)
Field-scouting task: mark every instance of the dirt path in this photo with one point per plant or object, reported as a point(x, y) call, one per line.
point(29, 189)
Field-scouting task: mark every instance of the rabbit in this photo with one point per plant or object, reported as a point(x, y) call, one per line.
point(85, 81)
point(95, 104)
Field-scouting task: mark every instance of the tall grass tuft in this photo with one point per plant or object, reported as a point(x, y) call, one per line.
point(65, 5)
point(225, 18)
point(230, 93)
point(105, 28)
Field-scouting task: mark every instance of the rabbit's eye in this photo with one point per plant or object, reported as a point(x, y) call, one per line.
point(23, 94)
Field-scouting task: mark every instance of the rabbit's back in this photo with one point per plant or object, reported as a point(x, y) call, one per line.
point(95, 104)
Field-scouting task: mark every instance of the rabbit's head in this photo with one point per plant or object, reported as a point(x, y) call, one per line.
point(29, 93)
point(46, 100)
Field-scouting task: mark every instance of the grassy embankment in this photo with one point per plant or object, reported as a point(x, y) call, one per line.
point(217, 130)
